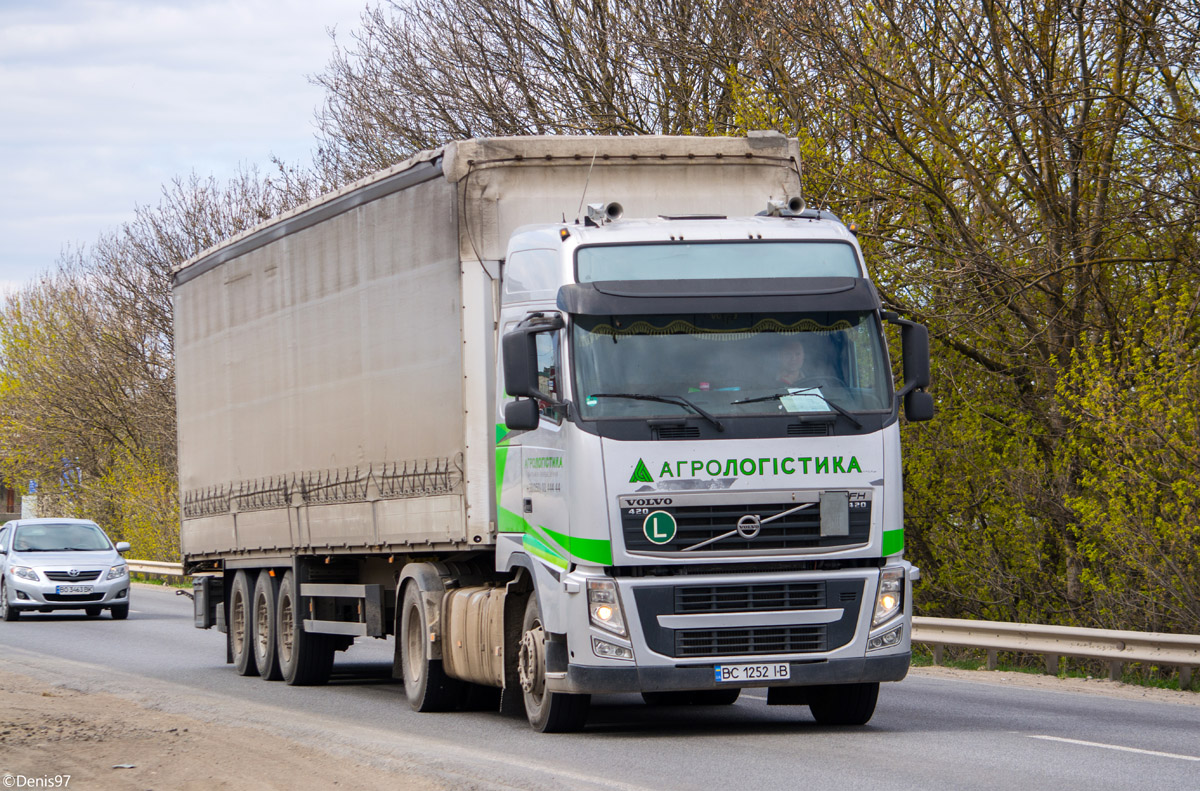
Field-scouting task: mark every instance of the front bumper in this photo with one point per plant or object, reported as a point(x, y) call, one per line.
point(26, 594)
point(580, 679)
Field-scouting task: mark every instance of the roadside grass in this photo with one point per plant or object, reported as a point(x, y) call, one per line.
point(1135, 673)
point(164, 580)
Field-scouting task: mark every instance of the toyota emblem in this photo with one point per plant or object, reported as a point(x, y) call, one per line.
point(73, 572)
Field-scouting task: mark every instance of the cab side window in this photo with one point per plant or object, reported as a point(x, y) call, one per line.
point(548, 381)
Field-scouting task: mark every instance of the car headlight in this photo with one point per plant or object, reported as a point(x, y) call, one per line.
point(890, 597)
point(116, 572)
point(25, 573)
point(603, 606)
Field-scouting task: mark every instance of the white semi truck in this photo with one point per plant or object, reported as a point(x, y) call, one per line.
point(553, 451)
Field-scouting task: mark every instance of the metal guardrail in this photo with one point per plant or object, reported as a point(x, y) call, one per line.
point(1108, 645)
point(155, 567)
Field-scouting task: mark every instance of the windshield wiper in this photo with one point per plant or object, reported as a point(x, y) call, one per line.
point(676, 400)
point(813, 392)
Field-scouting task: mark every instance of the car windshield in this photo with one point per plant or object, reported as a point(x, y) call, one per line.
point(63, 537)
point(729, 364)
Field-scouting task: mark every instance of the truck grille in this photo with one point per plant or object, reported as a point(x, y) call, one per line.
point(742, 598)
point(792, 595)
point(759, 640)
point(699, 521)
point(63, 576)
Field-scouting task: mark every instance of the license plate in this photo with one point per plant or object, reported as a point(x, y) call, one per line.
point(776, 671)
point(67, 590)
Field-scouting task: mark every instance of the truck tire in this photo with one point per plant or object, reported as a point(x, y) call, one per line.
point(266, 637)
point(547, 712)
point(304, 659)
point(843, 704)
point(241, 626)
point(699, 697)
point(425, 681)
point(7, 611)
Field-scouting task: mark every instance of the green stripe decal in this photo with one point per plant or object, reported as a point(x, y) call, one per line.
point(893, 542)
point(590, 550)
point(534, 546)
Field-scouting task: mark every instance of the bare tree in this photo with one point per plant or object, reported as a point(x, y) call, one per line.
point(420, 73)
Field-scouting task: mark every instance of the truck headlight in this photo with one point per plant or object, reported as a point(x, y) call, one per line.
point(890, 597)
point(116, 572)
point(25, 573)
point(604, 608)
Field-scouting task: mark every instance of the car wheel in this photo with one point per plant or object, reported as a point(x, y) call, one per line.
point(266, 656)
point(241, 625)
point(304, 659)
point(548, 712)
point(93, 612)
point(119, 612)
point(7, 611)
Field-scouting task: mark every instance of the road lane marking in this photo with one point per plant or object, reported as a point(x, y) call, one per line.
point(1115, 747)
point(756, 697)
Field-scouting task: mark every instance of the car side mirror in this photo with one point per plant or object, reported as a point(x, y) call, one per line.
point(123, 546)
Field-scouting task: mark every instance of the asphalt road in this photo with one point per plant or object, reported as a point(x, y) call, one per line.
point(927, 733)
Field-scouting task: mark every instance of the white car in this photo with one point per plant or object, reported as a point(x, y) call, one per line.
point(61, 564)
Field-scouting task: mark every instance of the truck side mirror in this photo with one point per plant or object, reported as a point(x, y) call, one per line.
point(914, 340)
point(918, 406)
point(914, 343)
point(520, 356)
point(521, 415)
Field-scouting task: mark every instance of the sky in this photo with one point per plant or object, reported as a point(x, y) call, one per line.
point(102, 102)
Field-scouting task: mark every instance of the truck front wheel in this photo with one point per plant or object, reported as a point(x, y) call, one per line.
point(843, 704)
point(304, 659)
point(548, 712)
point(425, 681)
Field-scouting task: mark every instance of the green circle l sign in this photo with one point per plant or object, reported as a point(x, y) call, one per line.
point(659, 527)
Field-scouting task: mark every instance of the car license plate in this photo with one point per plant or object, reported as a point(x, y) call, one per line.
point(67, 590)
point(775, 671)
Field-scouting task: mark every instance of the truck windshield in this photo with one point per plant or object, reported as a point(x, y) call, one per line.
point(729, 364)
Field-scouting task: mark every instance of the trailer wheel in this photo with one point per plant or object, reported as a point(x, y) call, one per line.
point(548, 712)
point(699, 697)
point(843, 704)
point(425, 681)
point(266, 637)
point(305, 659)
point(241, 626)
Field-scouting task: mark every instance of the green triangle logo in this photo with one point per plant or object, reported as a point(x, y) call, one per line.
point(641, 474)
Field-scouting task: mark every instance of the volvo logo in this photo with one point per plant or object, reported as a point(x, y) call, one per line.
point(629, 502)
point(749, 525)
